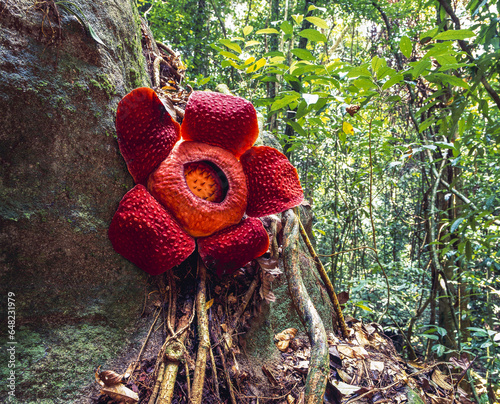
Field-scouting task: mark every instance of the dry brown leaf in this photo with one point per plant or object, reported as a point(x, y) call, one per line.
point(268, 275)
point(361, 337)
point(108, 377)
point(438, 378)
point(121, 394)
point(302, 367)
point(283, 345)
point(269, 376)
point(344, 376)
point(438, 400)
point(352, 351)
point(290, 399)
point(344, 388)
point(378, 366)
point(286, 335)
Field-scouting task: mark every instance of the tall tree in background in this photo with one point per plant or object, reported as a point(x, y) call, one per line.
point(391, 113)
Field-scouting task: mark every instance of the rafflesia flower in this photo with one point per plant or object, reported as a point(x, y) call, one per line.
point(201, 180)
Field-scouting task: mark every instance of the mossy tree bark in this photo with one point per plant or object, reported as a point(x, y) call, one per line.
point(79, 303)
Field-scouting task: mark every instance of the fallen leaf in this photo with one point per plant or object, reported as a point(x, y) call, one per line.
point(286, 335)
point(335, 359)
point(378, 366)
point(121, 394)
point(352, 351)
point(283, 345)
point(302, 367)
point(108, 377)
point(269, 376)
point(344, 388)
point(438, 378)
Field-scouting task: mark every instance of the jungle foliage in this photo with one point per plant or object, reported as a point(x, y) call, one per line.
point(391, 112)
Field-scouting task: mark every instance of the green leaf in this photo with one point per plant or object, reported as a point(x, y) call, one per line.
point(267, 31)
point(429, 34)
point(444, 145)
point(251, 43)
point(231, 45)
point(303, 54)
point(447, 78)
point(284, 101)
point(438, 49)
point(313, 35)
point(468, 250)
point(385, 71)
point(455, 224)
point(75, 10)
point(445, 60)
point(362, 306)
point(319, 22)
point(406, 46)
point(430, 336)
point(286, 27)
point(424, 125)
point(393, 80)
point(359, 71)
point(452, 35)
point(441, 331)
point(420, 67)
point(229, 55)
point(347, 128)
point(298, 18)
point(377, 63)
point(363, 83)
point(258, 65)
point(247, 30)
point(296, 127)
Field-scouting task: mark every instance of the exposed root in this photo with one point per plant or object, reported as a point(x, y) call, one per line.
point(326, 281)
point(319, 365)
point(203, 336)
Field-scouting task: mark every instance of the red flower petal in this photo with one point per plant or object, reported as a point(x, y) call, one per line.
point(146, 234)
point(146, 132)
point(234, 246)
point(200, 217)
point(273, 183)
point(221, 120)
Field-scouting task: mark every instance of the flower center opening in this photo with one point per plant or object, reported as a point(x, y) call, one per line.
point(206, 181)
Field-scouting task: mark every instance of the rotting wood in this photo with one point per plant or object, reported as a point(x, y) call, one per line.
point(326, 281)
point(319, 365)
point(203, 336)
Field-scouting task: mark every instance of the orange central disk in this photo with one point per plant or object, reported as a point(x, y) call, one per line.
point(203, 181)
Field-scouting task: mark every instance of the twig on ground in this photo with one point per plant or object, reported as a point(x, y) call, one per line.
point(203, 336)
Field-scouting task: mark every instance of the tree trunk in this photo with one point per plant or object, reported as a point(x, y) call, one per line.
point(78, 303)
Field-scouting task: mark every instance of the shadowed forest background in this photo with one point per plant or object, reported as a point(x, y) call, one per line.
point(390, 110)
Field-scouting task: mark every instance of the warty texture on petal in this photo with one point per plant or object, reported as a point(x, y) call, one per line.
point(221, 120)
point(234, 246)
point(145, 233)
point(146, 132)
point(273, 182)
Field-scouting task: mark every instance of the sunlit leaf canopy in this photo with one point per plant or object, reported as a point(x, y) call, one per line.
point(390, 112)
